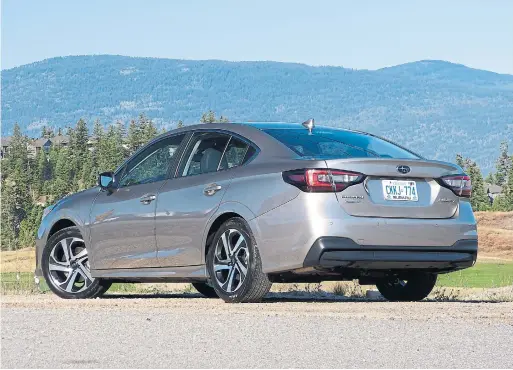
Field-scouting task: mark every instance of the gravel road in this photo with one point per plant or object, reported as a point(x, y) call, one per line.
point(188, 331)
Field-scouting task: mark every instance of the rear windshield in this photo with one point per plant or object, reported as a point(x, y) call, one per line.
point(338, 144)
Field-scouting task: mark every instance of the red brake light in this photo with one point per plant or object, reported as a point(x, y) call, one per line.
point(322, 180)
point(459, 184)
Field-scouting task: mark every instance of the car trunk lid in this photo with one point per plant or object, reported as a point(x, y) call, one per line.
point(397, 188)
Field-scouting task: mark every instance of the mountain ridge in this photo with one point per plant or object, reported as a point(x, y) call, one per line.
point(437, 108)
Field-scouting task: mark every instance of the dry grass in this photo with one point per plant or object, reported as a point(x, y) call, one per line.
point(22, 260)
point(495, 230)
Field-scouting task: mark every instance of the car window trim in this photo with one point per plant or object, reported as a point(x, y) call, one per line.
point(224, 151)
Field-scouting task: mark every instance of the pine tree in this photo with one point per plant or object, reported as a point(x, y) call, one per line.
point(134, 136)
point(148, 129)
point(223, 119)
point(62, 184)
point(78, 151)
point(459, 161)
point(508, 190)
point(16, 190)
point(179, 124)
point(208, 117)
point(478, 199)
point(490, 179)
point(503, 164)
point(43, 173)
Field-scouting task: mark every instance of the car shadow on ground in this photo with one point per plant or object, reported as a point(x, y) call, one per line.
point(281, 297)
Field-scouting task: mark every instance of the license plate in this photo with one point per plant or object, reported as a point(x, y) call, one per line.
point(400, 190)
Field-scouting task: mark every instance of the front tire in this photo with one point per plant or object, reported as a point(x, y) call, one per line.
point(417, 287)
point(234, 265)
point(66, 269)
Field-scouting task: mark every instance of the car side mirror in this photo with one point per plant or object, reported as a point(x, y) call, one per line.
point(106, 181)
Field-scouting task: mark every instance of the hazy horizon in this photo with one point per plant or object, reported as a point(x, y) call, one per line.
point(251, 61)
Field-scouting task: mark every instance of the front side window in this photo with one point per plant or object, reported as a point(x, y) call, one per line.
point(152, 164)
point(205, 153)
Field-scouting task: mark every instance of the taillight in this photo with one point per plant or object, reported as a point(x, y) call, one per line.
point(459, 184)
point(322, 180)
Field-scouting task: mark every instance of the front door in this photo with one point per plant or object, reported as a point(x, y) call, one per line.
point(123, 221)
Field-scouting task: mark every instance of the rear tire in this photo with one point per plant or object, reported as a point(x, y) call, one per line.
point(65, 265)
point(234, 265)
point(205, 289)
point(417, 286)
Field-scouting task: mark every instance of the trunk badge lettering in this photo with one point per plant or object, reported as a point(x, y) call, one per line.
point(352, 198)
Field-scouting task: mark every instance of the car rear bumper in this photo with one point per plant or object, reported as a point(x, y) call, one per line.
point(339, 252)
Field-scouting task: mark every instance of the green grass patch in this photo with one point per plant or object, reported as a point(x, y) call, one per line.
point(482, 275)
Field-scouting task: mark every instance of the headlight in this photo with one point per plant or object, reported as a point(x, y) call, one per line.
point(47, 210)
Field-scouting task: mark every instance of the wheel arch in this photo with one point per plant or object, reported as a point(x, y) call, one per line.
point(59, 225)
point(225, 212)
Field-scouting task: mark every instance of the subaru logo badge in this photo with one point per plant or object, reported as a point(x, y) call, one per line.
point(403, 169)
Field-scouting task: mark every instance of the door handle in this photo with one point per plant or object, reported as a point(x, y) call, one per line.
point(212, 189)
point(147, 199)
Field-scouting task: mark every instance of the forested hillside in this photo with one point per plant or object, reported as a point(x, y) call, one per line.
point(436, 108)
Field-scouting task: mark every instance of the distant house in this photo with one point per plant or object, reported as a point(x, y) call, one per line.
point(35, 146)
point(495, 190)
point(60, 140)
point(5, 144)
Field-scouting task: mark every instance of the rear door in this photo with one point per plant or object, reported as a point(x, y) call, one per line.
point(186, 202)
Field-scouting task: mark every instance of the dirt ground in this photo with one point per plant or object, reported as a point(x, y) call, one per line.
point(495, 231)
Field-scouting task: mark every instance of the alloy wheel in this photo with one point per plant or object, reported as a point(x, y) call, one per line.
point(68, 265)
point(231, 258)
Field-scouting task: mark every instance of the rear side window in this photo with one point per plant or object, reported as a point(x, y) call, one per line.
point(338, 144)
point(235, 153)
point(205, 153)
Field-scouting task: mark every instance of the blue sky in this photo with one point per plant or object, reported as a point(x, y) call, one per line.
point(355, 34)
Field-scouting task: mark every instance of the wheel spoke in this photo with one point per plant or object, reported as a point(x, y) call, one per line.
point(55, 261)
point(58, 267)
point(65, 249)
point(86, 274)
point(225, 245)
point(221, 267)
point(242, 269)
point(229, 281)
point(238, 244)
point(70, 281)
point(81, 254)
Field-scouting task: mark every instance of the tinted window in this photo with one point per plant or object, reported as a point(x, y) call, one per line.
point(152, 163)
point(234, 154)
point(204, 153)
point(338, 144)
